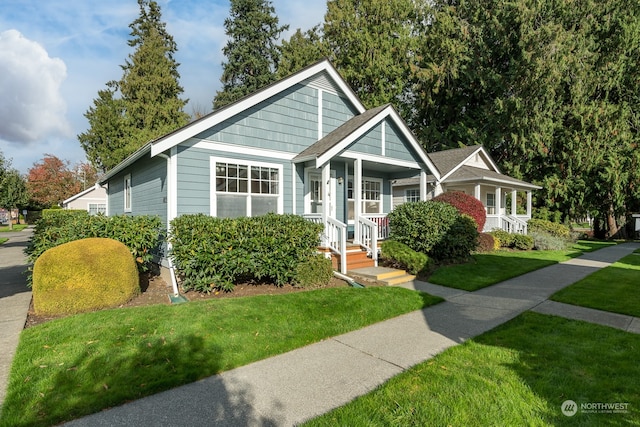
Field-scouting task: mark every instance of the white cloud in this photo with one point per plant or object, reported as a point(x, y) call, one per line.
point(31, 105)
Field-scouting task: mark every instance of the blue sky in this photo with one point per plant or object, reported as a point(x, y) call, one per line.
point(55, 55)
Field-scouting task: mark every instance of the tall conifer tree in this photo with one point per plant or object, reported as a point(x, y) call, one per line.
point(149, 105)
point(251, 51)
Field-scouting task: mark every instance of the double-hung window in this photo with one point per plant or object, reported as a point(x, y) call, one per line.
point(127, 193)
point(245, 188)
point(371, 192)
point(412, 195)
point(491, 204)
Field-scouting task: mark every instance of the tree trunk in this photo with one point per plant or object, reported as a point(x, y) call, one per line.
point(611, 221)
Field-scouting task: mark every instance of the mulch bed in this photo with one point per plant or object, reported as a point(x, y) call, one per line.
point(156, 291)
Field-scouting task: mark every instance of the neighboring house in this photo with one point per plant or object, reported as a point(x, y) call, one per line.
point(471, 170)
point(304, 145)
point(93, 200)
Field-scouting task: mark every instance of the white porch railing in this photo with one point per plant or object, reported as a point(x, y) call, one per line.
point(382, 221)
point(334, 237)
point(512, 224)
point(369, 237)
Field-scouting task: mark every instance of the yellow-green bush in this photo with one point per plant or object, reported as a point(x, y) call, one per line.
point(84, 275)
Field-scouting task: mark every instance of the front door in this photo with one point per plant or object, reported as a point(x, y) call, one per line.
point(314, 197)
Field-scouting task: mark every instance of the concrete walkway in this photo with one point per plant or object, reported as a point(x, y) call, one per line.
point(288, 389)
point(15, 298)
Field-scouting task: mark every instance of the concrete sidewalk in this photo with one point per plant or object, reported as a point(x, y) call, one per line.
point(15, 298)
point(290, 388)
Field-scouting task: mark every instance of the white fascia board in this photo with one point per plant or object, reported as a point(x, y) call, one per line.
point(488, 157)
point(80, 194)
point(462, 163)
point(240, 149)
point(225, 113)
point(380, 159)
point(506, 182)
point(126, 163)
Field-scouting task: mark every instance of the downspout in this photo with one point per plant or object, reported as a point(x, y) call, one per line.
point(174, 282)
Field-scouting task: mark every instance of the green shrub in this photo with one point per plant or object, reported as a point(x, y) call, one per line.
point(504, 239)
point(522, 242)
point(217, 253)
point(314, 272)
point(412, 261)
point(465, 204)
point(458, 241)
point(141, 234)
point(553, 228)
point(486, 243)
point(547, 242)
point(421, 225)
point(84, 275)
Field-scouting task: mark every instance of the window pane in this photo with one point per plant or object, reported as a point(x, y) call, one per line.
point(261, 205)
point(231, 206)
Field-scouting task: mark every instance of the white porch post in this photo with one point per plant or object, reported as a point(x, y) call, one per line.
point(514, 199)
point(326, 193)
point(499, 205)
point(357, 196)
point(476, 192)
point(529, 204)
point(423, 185)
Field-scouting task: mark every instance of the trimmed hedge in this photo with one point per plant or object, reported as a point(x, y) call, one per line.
point(412, 261)
point(216, 253)
point(465, 204)
point(434, 228)
point(518, 241)
point(84, 275)
point(314, 272)
point(141, 234)
point(553, 228)
point(486, 243)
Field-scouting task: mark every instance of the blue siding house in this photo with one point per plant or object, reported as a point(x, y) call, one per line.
point(304, 145)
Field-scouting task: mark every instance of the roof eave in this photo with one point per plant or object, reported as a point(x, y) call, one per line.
point(145, 149)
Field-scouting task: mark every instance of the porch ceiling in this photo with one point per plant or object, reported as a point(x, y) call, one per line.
point(379, 166)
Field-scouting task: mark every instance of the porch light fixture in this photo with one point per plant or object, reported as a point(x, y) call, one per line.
point(340, 180)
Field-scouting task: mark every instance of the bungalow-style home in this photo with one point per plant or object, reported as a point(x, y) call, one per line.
point(93, 200)
point(304, 145)
point(471, 170)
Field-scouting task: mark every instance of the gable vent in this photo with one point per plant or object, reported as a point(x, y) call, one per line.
point(323, 82)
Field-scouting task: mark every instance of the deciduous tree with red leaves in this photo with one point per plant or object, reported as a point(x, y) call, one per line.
point(51, 181)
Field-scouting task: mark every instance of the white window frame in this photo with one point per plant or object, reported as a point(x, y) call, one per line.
point(99, 208)
point(249, 164)
point(365, 179)
point(127, 193)
point(492, 206)
point(411, 195)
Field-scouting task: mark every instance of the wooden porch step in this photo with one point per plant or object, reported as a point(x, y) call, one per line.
point(388, 276)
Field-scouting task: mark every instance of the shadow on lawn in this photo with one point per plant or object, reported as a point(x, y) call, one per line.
point(91, 385)
point(559, 360)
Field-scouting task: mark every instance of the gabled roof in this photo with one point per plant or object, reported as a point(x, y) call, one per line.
point(81, 194)
point(194, 128)
point(470, 173)
point(448, 161)
point(341, 138)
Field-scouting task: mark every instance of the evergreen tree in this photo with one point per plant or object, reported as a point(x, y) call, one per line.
point(145, 104)
point(550, 87)
point(301, 50)
point(251, 51)
point(371, 44)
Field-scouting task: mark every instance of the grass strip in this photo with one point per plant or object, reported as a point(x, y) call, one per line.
point(82, 364)
point(486, 269)
point(517, 374)
point(5, 228)
point(2, 240)
point(615, 288)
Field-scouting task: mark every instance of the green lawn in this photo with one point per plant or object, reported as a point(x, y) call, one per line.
point(5, 228)
point(487, 269)
point(82, 364)
point(615, 288)
point(2, 240)
point(517, 374)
